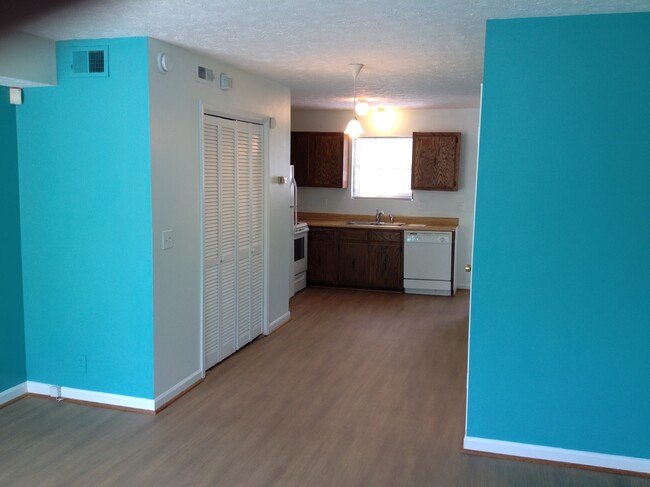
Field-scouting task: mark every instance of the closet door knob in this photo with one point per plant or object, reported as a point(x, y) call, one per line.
point(468, 268)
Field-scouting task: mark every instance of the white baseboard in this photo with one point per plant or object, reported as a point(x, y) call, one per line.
point(177, 389)
point(94, 397)
point(103, 398)
point(577, 457)
point(279, 322)
point(13, 393)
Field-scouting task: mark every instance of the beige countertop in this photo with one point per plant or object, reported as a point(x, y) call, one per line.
point(411, 223)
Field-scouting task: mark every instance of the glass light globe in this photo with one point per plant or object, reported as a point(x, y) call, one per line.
point(362, 108)
point(354, 128)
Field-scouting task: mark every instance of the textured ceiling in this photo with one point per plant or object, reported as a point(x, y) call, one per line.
point(417, 53)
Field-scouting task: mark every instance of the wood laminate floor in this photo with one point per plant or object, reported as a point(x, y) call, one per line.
point(359, 389)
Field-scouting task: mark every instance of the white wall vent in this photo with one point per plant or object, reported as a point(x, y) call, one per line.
point(205, 74)
point(89, 61)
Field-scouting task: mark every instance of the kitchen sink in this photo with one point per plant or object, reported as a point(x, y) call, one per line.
point(378, 224)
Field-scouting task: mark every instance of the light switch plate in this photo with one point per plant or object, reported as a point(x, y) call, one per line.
point(15, 96)
point(167, 239)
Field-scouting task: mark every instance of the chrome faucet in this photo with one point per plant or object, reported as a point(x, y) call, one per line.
point(378, 215)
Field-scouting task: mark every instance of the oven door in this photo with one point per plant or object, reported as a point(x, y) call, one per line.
point(300, 252)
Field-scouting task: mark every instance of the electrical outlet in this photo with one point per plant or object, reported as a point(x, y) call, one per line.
point(167, 239)
point(81, 363)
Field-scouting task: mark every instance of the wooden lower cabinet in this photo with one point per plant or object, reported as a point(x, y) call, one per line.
point(385, 250)
point(322, 256)
point(355, 257)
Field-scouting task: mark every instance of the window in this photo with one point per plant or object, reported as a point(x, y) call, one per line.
point(381, 167)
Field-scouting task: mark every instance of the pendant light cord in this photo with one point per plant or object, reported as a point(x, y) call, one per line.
point(354, 97)
point(354, 128)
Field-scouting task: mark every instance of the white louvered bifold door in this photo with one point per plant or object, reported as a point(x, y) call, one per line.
point(243, 234)
point(257, 233)
point(219, 221)
point(233, 277)
point(228, 239)
point(211, 280)
point(250, 296)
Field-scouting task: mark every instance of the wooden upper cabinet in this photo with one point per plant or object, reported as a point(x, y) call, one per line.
point(436, 161)
point(320, 159)
point(299, 156)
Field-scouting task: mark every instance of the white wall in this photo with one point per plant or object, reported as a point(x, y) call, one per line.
point(176, 99)
point(27, 60)
point(458, 204)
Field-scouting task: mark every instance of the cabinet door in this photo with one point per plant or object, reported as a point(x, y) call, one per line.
point(386, 266)
point(353, 263)
point(300, 156)
point(435, 163)
point(328, 160)
point(386, 259)
point(322, 256)
point(353, 257)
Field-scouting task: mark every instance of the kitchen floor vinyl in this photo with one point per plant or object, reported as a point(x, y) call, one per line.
point(358, 389)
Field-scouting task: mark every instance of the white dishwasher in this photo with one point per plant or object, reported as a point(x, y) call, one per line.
point(429, 263)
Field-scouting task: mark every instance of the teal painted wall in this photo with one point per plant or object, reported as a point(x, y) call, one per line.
point(85, 202)
point(560, 315)
point(12, 332)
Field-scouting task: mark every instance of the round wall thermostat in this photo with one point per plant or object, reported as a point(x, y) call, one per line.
point(165, 62)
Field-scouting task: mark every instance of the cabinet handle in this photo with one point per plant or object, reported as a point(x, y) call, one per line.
point(468, 268)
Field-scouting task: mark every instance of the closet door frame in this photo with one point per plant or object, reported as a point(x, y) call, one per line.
point(264, 121)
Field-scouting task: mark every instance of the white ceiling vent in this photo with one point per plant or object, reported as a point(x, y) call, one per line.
point(205, 74)
point(89, 61)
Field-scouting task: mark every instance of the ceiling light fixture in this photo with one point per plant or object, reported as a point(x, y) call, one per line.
point(354, 128)
point(362, 108)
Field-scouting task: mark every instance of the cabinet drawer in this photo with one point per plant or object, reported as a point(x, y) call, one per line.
point(355, 234)
point(386, 236)
point(323, 234)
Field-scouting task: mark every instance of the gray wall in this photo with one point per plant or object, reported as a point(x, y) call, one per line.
point(176, 100)
point(27, 60)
